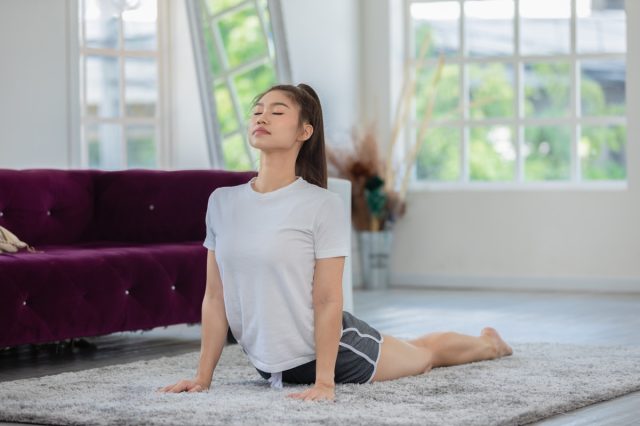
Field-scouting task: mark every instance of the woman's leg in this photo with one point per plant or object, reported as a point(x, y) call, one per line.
point(402, 358)
point(399, 358)
point(450, 348)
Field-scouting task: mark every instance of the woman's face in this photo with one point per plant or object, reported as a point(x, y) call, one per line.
point(274, 123)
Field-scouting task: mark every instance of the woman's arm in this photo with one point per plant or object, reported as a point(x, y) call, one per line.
point(214, 332)
point(214, 322)
point(327, 306)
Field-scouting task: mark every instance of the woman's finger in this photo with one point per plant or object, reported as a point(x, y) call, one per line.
point(182, 387)
point(196, 388)
point(170, 388)
point(175, 388)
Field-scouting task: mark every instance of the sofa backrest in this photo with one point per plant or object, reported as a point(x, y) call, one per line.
point(47, 206)
point(54, 206)
point(148, 206)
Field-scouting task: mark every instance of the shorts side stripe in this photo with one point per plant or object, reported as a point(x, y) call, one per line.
point(362, 354)
point(375, 367)
point(361, 334)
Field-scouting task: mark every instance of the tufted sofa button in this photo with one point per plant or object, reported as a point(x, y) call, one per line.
point(126, 292)
point(48, 212)
point(173, 287)
point(24, 303)
point(1, 214)
point(151, 207)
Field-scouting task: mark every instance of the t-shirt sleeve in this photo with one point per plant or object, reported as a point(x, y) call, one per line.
point(210, 240)
point(332, 232)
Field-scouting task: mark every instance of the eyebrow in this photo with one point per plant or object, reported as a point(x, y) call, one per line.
point(273, 103)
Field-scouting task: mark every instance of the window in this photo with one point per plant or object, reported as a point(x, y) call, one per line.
point(121, 100)
point(532, 92)
point(241, 61)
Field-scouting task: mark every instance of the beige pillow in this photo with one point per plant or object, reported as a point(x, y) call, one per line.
point(9, 243)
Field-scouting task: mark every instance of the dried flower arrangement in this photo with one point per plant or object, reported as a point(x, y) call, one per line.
point(376, 204)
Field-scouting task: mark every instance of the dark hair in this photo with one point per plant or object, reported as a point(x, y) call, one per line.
point(311, 163)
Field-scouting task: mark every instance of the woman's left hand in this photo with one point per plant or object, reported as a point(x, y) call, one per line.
point(318, 392)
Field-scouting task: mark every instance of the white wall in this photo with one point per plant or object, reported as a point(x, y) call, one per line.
point(34, 107)
point(188, 140)
point(323, 41)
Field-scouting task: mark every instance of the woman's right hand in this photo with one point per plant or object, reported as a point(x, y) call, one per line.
point(186, 386)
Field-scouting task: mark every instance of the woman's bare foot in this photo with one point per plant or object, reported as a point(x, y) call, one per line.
point(502, 348)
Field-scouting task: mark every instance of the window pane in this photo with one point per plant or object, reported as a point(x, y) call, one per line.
point(489, 27)
point(601, 26)
point(547, 153)
point(603, 153)
point(439, 22)
point(603, 87)
point(228, 122)
point(242, 36)
point(102, 86)
point(101, 24)
point(491, 89)
point(139, 26)
point(214, 61)
point(235, 154)
point(492, 154)
point(439, 156)
point(141, 147)
point(545, 27)
point(547, 88)
point(447, 99)
point(250, 83)
point(104, 146)
point(141, 91)
point(216, 6)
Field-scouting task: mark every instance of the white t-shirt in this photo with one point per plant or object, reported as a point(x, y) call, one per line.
point(266, 245)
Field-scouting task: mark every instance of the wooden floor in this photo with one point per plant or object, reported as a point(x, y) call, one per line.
point(594, 319)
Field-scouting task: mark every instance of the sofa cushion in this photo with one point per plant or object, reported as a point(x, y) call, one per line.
point(149, 206)
point(47, 205)
point(99, 288)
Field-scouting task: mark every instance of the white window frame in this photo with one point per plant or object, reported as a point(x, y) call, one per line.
point(516, 123)
point(79, 154)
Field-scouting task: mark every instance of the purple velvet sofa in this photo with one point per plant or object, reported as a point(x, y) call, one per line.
point(122, 250)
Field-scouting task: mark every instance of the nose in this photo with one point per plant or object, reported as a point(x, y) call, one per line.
point(260, 117)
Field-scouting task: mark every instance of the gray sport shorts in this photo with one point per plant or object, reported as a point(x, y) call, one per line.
point(358, 355)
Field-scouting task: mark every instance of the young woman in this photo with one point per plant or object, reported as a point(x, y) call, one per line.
point(276, 250)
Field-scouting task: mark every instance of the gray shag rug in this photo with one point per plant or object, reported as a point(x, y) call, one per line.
point(537, 381)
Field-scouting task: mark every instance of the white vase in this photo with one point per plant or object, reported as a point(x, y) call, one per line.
point(375, 258)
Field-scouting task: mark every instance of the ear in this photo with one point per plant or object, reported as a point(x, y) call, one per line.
point(307, 131)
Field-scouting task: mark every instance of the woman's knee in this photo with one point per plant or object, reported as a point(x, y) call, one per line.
point(399, 358)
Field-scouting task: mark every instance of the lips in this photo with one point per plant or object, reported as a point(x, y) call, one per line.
point(261, 131)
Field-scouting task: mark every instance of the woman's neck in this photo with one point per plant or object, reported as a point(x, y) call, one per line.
point(266, 182)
